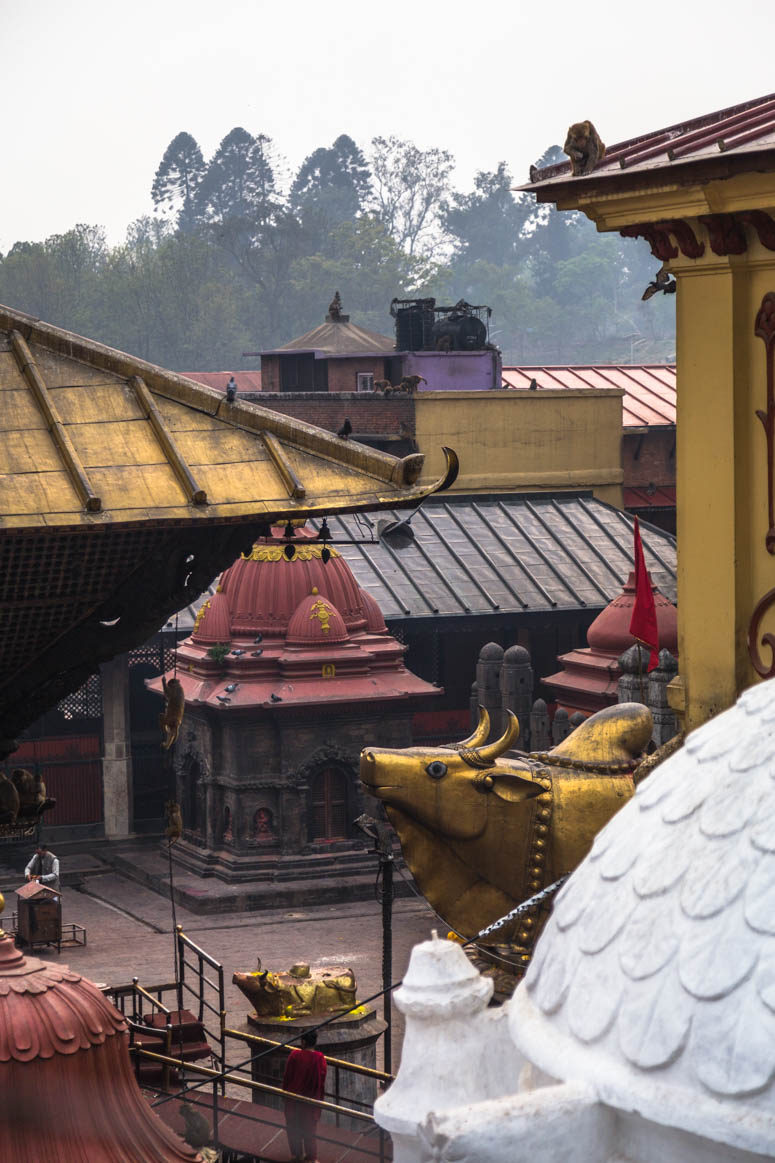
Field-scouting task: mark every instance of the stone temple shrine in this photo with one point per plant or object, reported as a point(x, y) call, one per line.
point(288, 669)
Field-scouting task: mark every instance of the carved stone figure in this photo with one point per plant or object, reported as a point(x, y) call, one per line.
point(298, 992)
point(483, 833)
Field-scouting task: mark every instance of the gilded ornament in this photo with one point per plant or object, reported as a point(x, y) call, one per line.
point(322, 613)
point(276, 553)
point(483, 830)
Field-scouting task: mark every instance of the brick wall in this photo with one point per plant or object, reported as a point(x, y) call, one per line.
point(369, 413)
point(649, 457)
point(342, 373)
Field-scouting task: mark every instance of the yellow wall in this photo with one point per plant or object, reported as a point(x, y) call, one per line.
point(526, 441)
point(724, 568)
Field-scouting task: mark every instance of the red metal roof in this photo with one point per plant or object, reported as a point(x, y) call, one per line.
point(663, 497)
point(745, 128)
point(246, 381)
point(649, 388)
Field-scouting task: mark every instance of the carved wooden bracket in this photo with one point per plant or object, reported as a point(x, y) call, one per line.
point(763, 224)
point(764, 327)
point(726, 231)
point(657, 234)
point(727, 234)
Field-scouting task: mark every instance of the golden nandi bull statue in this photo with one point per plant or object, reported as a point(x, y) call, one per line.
point(482, 832)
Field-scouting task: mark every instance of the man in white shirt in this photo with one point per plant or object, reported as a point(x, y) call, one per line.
point(44, 867)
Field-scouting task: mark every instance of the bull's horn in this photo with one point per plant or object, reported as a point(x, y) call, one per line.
point(490, 752)
point(480, 734)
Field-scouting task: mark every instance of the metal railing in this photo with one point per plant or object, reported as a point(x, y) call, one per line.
point(199, 991)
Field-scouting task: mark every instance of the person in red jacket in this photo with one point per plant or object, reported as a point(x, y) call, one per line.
point(305, 1074)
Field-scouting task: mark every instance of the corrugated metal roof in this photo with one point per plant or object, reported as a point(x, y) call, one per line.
point(511, 554)
point(745, 128)
point(649, 388)
point(505, 555)
point(246, 381)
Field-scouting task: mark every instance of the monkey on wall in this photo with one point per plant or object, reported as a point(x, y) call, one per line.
point(9, 800)
point(584, 147)
point(411, 383)
point(24, 782)
point(172, 715)
point(381, 385)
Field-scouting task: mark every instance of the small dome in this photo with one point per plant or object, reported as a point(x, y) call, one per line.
point(654, 980)
point(375, 623)
point(517, 656)
point(610, 631)
point(316, 620)
point(64, 1068)
point(264, 587)
point(213, 622)
point(492, 652)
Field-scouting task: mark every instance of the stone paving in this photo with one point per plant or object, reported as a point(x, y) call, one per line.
point(129, 933)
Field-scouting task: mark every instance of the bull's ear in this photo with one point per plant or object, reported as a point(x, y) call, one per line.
point(513, 788)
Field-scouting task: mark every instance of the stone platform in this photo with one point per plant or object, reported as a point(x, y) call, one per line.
point(299, 881)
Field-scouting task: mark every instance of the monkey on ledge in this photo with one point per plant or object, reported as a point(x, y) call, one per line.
point(584, 147)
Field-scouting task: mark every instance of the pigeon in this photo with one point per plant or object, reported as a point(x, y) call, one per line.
point(231, 390)
point(259, 638)
point(232, 687)
point(533, 386)
point(256, 653)
point(223, 698)
point(238, 652)
point(661, 283)
point(345, 430)
point(275, 698)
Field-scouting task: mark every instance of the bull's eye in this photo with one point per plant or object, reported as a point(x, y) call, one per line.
point(437, 769)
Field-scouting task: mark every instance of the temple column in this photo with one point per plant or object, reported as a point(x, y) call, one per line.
point(117, 786)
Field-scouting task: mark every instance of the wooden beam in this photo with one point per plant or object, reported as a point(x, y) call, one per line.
point(195, 494)
point(75, 469)
point(282, 464)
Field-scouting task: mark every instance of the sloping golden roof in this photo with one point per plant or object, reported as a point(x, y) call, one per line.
point(124, 489)
point(90, 435)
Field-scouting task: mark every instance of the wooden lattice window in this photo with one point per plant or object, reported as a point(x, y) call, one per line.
point(328, 801)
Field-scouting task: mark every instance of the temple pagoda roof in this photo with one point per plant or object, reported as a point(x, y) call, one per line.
point(737, 139)
point(338, 337)
point(125, 488)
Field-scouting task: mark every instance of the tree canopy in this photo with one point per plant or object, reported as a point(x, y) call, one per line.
point(236, 258)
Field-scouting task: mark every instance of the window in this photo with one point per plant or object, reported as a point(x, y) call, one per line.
point(328, 803)
point(365, 381)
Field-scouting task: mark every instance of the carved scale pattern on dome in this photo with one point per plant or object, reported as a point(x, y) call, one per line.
point(661, 947)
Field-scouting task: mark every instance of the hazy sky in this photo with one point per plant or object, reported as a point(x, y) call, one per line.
point(93, 91)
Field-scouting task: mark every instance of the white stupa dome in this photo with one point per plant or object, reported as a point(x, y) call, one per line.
point(654, 980)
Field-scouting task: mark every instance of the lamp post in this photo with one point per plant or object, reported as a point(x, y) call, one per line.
point(380, 833)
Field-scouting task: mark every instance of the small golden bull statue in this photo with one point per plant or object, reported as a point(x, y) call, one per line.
point(482, 832)
point(298, 992)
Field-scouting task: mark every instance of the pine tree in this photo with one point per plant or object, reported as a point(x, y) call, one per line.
point(178, 179)
point(331, 187)
point(239, 183)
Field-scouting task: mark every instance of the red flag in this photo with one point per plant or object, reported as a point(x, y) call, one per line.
point(643, 623)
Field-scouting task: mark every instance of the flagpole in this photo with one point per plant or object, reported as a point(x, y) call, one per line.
point(640, 674)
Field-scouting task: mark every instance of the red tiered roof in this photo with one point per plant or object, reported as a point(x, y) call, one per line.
point(589, 676)
point(287, 631)
point(65, 1073)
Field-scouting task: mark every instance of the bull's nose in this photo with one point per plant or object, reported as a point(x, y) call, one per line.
point(368, 764)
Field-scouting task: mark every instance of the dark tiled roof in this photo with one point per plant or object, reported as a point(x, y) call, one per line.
point(649, 388)
point(511, 554)
point(505, 555)
point(745, 128)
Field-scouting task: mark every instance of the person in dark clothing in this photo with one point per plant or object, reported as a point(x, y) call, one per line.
point(305, 1074)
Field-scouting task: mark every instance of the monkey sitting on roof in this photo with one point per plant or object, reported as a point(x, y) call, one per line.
point(584, 148)
point(172, 715)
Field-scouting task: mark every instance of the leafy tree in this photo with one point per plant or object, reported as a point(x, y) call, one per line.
point(239, 183)
point(487, 224)
point(178, 179)
point(410, 185)
point(331, 187)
